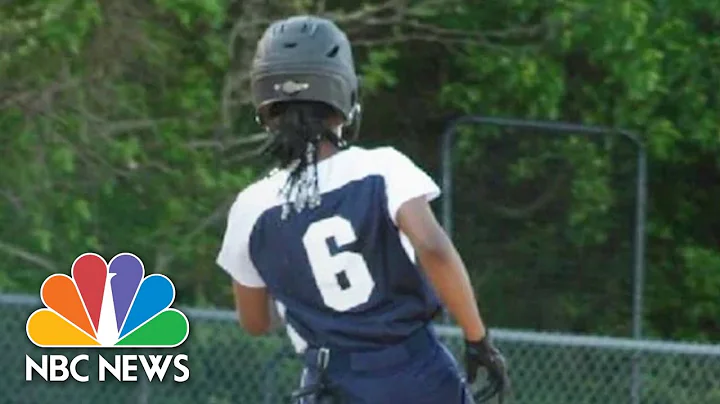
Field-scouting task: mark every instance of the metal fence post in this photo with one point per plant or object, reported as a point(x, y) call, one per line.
point(639, 263)
point(551, 128)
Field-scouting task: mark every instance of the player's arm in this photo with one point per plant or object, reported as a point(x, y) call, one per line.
point(253, 308)
point(252, 300)
point(442, 265)
point(409, 191)
point(446, 271)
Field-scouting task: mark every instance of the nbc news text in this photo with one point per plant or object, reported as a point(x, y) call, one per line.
point(123, 368)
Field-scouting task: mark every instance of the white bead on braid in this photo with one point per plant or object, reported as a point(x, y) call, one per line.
point(304, 192)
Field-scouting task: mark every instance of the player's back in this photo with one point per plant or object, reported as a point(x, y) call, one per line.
point(343, 271)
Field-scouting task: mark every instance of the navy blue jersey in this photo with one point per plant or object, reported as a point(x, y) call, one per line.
point(343, 274)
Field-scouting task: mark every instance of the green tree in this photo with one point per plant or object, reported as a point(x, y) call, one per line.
point(126, 126)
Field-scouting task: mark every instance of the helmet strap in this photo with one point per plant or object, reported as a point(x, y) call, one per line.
point(354, 123)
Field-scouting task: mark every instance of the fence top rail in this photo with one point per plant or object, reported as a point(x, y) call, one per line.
point(551, 126)
point(593, 342)
point(528, 337)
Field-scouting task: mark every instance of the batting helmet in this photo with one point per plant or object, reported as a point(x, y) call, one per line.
point(305, 58)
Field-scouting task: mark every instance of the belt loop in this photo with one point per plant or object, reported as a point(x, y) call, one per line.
point(323, 358)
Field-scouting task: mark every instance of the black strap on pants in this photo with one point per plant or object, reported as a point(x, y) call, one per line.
point(319, 392)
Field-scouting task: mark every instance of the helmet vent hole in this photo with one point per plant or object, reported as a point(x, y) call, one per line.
point(290, 45)
point(333, 51)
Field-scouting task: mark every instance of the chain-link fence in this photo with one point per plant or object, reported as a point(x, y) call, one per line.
point(229, 367)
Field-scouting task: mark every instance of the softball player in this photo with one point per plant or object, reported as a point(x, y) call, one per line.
point(333, 236)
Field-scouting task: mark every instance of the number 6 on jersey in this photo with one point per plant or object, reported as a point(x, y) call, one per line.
point(329, 270)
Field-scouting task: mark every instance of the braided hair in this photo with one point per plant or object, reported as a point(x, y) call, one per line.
point(296, 129)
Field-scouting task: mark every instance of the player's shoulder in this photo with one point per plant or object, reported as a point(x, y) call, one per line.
point(260, 190)
point(381, 156)
point(385, 151)
point(357, 163)
point(391, 159)
point(260, 195)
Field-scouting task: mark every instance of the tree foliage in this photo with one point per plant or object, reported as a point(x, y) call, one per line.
point(125, 125)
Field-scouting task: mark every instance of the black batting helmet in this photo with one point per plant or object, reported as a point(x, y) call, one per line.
point(305, 58)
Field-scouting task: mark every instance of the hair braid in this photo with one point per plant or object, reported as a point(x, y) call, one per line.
point(296, 133)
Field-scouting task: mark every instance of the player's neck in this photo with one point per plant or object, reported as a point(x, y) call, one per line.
point(325, 150)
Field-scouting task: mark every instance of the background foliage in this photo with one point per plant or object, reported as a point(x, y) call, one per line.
point(109, 117)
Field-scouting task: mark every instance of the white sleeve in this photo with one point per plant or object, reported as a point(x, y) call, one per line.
point(234, 255)
point(405, 181)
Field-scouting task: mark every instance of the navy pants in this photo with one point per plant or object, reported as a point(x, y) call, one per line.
point(420, 370)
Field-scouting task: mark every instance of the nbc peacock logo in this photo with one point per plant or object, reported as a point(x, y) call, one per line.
point(107, 305)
